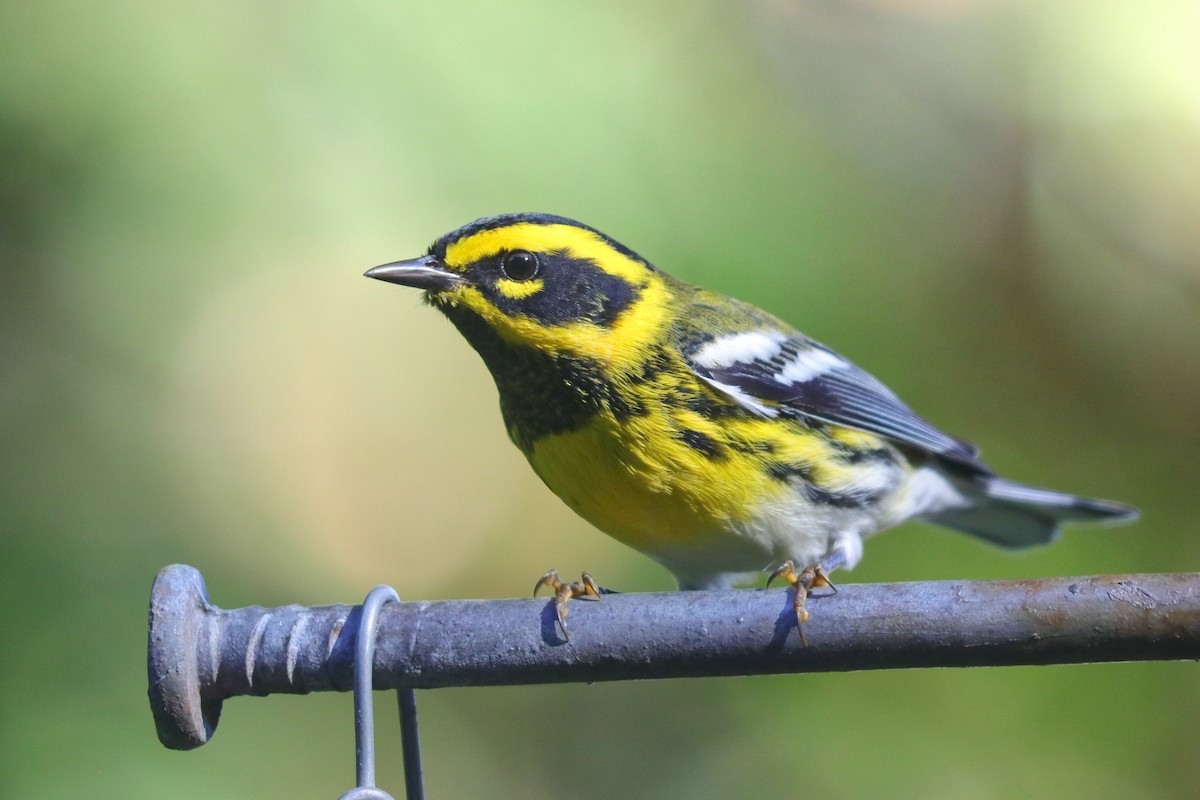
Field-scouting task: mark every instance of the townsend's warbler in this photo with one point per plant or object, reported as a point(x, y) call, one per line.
point(699, 429)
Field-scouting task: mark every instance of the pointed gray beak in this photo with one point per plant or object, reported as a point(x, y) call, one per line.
point(420, 273)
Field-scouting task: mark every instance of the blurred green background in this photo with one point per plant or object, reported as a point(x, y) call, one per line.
point(991, 205)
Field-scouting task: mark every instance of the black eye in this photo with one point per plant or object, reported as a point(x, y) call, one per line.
point(519, 265)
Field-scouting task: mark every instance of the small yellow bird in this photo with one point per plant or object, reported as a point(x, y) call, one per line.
point(699, 429)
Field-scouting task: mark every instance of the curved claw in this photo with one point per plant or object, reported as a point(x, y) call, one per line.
point(786, 570)
point(590, 587)
point(564, 592)
point(803, 582)
point(560, 613)
point(549, 579)
point(821, 579)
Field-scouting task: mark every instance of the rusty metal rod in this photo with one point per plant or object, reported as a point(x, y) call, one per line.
point(199, 654)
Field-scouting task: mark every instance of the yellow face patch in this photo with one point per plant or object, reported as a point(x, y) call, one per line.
point(621, 343)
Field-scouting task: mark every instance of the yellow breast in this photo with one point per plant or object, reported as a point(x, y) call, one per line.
point(640, 481)
point(701, 494)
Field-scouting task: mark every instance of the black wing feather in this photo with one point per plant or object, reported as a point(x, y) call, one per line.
point(846, 395)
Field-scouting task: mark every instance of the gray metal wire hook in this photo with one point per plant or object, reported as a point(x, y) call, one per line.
point(364, 711)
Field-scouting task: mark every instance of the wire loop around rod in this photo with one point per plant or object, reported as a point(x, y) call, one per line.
point(364, 713)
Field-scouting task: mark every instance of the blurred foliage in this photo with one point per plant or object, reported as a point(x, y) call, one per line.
point(989, 204)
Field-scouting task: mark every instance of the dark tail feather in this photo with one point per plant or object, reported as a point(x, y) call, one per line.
point(1014, 515)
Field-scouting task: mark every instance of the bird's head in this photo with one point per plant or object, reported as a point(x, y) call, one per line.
point(541, 281)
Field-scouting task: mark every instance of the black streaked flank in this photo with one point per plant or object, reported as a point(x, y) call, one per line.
point(781, 472)
point(712, 404)
point(702, 443)
point(839, 499)
point(658, 361)
point(857, 455)
point(753, 447)
point(800, 476)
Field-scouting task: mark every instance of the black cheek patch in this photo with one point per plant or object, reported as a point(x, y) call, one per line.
point(574, 290)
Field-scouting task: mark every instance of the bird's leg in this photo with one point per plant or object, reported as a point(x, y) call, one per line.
point(804, 581)
point(565, 591)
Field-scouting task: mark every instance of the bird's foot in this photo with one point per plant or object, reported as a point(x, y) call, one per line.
point(803, 581)
point(564, 591)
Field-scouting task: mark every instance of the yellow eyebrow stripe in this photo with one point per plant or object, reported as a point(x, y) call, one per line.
point(544, 239)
